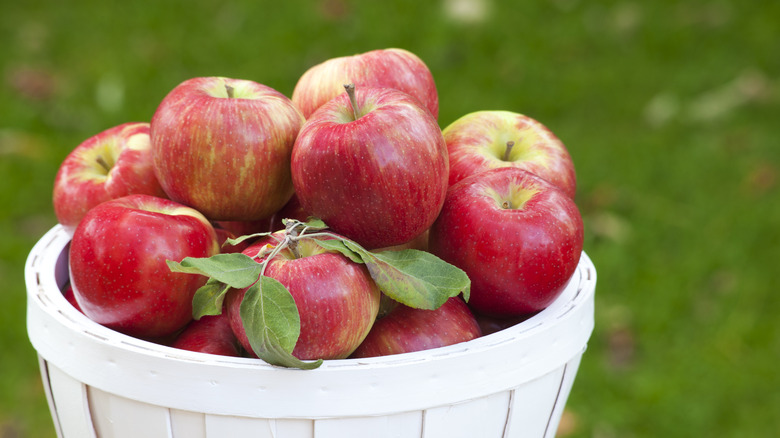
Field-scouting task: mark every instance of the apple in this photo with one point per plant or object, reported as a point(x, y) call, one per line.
point(419, 243)
point(67, 292)
point(109, 165)
point(372, 164)
point(485, 140)
point(517, 237)
point(222, 146)
point(388, 68)
point(336, 298)
point(489, 325)
point(234, 229)
point(291, 210)
point(209, 334)
point(406, 329)
point(224, 234)
point(118, 267)
point(242, 228)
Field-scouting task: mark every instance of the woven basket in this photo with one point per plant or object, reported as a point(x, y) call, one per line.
point(100, 383)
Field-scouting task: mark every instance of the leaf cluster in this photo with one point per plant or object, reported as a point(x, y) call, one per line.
point(414, 278)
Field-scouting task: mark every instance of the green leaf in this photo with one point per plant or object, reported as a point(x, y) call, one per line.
point(338, 245)
point(312, 223)
point(238, 240)
point(208, 299)
point(234, 269)
point(272, 323)
point(415, 278)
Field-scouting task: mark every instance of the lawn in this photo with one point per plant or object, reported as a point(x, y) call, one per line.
point(669, 109)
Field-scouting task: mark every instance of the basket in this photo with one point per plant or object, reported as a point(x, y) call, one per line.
point(100, 383)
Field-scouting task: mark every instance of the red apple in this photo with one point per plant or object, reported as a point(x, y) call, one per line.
point(406, 329)
point(224, 234)
point(336, 298)
point(389, 68)
point(291, 210)
point(489, 325)
point(114, 163)
point(518, 237)
point(67, 292)
point(485, 140)
point(376, 174)
point(242, 228)
point(419, 243)
point(222, 146)
point(118, 264)
point(209, 334)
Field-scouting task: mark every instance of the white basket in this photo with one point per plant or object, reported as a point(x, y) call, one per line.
point(100, 383)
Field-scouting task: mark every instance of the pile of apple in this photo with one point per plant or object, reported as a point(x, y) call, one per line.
point(341, 222)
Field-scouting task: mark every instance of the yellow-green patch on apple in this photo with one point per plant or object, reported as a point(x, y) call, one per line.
point(485, 140)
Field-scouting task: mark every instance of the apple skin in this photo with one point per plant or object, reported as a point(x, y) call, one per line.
point(114, 163)
point(490, 325)
point(243, 228)
point(336, 299)
point(227, 157)
point(388, 68)
point(67, 292)
point(118, 267)
point(379, 180)
point(419, 243)
point(209, 334)
point(291, 210)
point(519, 256)
point(406, 329)
point(478, 141)
point(224, 234)
point(234, 229)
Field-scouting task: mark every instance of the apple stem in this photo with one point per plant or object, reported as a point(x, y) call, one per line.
point(100, 160)
point(506, 205)
point(230, 91)
point(292, 241)
point(352, 100)
point(293, 245)
point(509, 146)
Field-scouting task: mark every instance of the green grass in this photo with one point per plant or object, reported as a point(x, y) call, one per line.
point(668, 108)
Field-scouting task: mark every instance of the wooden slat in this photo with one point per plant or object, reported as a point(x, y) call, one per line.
point(532, 406)
point(567, 382)
point(244, 427)
point(43, 366)
point(482, 417)
point(187, 424)
point(71, 401)
point(407, 424)
point(119, 417)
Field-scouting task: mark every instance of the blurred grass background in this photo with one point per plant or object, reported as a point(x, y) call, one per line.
point(669, 108)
